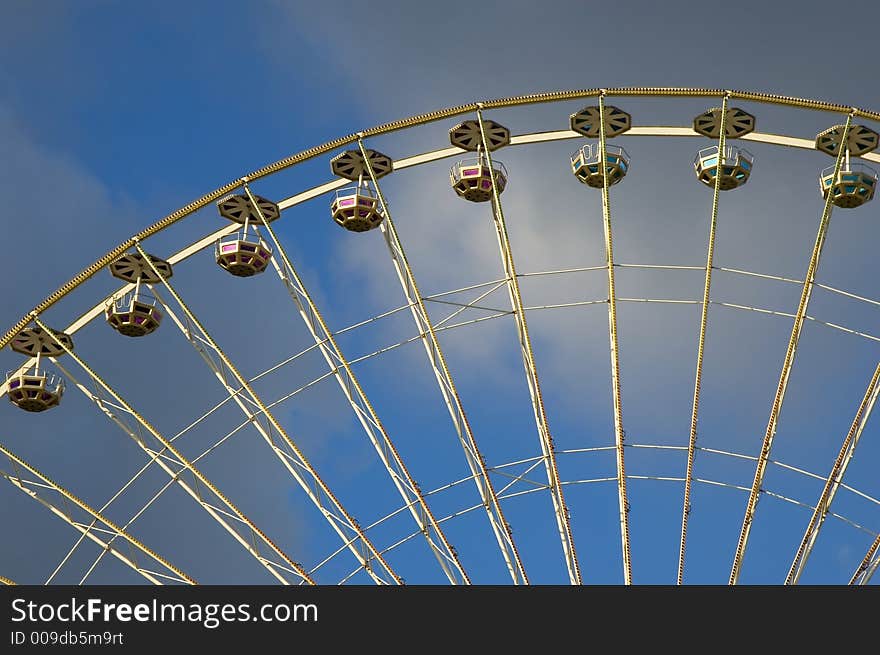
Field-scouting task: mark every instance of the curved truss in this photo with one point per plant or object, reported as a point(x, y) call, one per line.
point(860, 577)
point(412, 495)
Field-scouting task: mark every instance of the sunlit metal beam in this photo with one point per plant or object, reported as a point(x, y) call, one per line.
point(787, 364)
point(869, 565)
point(107, 406)
point(704, 316)
point(560, 509)
point(65, 513)
point(290, 456)
point(619, 434)
point(834, 480)
point(437, 360)
point(445, 553)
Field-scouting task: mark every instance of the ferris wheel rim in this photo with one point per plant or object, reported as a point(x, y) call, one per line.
point(406, 162)
point(413, 121)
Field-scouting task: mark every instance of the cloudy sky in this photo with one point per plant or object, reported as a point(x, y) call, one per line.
point(113, 115)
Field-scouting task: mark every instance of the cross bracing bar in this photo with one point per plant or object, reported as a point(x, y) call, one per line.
point(437, 360)
point(537, 460)
point(407, 487)
point(176, 458)
point(787, 364)
point(127, 525)
point(531, 490)
point(276, 436)
point(834, 480)
point(444, 324)
point(619, 434)
point(37, 492)
point(698, 377)
point(548, 448)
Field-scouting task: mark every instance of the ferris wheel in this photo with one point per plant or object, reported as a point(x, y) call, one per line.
point(210, 476)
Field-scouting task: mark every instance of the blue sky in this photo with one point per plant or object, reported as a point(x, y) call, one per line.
point(113, 115)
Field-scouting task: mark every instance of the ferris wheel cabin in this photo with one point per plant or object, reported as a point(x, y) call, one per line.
point(472, 179)
point(585, 164)
point(245, 254)
point(134, 314)
point(30, 388)
point(35, 391)
point(357, 208)
point(733, 168)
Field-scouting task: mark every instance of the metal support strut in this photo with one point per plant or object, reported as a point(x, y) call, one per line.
point(698, 378)
point(32, 489)
point(619, 435)
point(437, 360)
point(869, 565)
point(275, 569)
point(292, 457)
point(548, 449)
point(773, 422)
point(834, 480)
point(407, 487)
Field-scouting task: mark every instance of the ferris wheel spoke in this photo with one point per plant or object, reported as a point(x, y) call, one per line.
point(619, 433)
point(788, 362)
point(7, 581)
point(275, 436)
point(168, 484)
point(113, 499)
point(340, 367)
point(201, 487)
point(548, 448)
point(704, 316)
point(834, 480)
point(428, 336)
point(869, 565)
point(91, 531)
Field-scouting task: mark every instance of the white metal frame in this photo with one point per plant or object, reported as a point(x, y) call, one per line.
point(560, 509)
point(835, 479)
point(287, 451)
point(698, 376)
point(517, 140)
point(37, 489)
point(112, 404)
point(614, 342)
point(428, 336)
point(409, 490)
point(788, 362)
